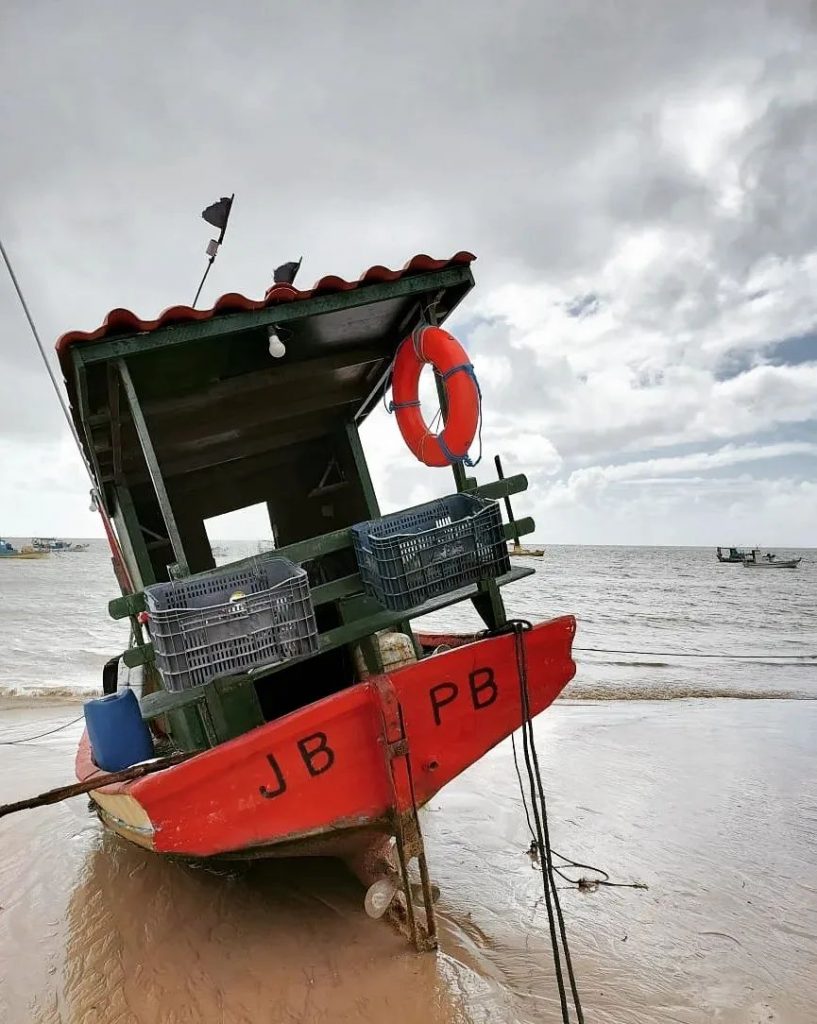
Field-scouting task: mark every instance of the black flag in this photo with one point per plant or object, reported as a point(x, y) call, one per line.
point(219, 213)
point(285, 274)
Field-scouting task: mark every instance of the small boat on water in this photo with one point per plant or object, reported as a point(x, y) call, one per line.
point(56, 546)
point(525, 551)
point(7, 550)
point(755, 560)
point(732, 555)
point(312, 719)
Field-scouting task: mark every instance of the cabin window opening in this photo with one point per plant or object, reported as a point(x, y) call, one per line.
point(240, 533)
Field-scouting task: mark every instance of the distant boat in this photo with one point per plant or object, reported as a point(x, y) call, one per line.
point(769, 561)
point(523, 551)
point(735, 555)
point(52, 544)
point(9, 551)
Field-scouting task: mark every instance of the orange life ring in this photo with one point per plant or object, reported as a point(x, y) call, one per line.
point(435, 346)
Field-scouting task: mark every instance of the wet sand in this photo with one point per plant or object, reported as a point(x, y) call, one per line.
point(712, 803)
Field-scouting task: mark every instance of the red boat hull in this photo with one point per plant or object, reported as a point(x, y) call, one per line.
point(314, 779)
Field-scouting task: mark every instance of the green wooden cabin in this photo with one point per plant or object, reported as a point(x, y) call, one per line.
point(190, 417)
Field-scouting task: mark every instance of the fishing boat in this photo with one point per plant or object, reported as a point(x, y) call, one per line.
point(56, 546)
point(329, 740)
point(7, 550)
point(755, 560)
point(525, 551)
point(733, 555)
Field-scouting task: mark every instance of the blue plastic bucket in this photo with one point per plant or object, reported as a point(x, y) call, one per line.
point(119, 738)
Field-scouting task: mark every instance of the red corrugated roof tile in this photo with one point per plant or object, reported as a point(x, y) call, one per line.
point(123, 321)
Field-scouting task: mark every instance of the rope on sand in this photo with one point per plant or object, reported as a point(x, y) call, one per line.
point(39, 735)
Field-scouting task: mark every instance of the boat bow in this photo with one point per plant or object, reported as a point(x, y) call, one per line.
point(321, 771)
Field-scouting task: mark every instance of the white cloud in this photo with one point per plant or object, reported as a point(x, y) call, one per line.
point(646, 227)
point(694, 462)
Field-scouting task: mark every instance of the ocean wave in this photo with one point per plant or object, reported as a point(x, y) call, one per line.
point(658, 692)
point(58, 694)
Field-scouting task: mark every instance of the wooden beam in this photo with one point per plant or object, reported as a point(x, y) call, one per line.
point(134, 538)
point(260, 411)
point(261, 444)
point(357, 629)
point(81, 383)
point(115, 423)
point(278, 378)
point(153, 467)
point(303, 551)
point(303, 309)
point(362, 469)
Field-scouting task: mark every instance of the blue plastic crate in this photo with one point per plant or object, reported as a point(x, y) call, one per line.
point(406, 558)
point(229, 620)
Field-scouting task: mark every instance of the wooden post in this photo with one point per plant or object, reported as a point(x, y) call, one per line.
point(508, 509)
point(362, 469)
point(153, 467)
point(133, 538)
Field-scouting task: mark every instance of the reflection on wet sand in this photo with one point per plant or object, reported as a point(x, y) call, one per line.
point(150, 940)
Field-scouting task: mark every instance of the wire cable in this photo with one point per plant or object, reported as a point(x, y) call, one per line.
point(63, 404)
point(39, 735)
point(95, 489)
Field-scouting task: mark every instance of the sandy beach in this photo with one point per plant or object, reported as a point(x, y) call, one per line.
point(711, 803)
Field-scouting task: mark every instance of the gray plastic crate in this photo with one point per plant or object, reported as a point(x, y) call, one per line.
point(409, 557)
point(230, 620)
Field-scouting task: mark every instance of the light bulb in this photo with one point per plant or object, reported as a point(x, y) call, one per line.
point(277, 349)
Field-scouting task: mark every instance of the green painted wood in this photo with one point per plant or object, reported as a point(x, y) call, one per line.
point(489, 605)
point(135, 537)
point(141, 654)
point(162, 701)
point(153, 467)
point(362, 468)
point(524, 527)
point(132, 604)
point(188, 730)
point(496, 489)
point(233, 706)
point(325, 593)
point(507, 500)
point(140, 344)
point(184, 710)
point(206, 715)
point(217, 711)
point(355, 630)
point(81, 384)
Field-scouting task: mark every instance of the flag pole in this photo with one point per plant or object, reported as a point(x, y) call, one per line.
point(213, 247)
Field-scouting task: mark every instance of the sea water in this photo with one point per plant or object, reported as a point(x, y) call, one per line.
point(659, 607)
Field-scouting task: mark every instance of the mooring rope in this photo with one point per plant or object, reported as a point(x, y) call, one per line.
point(96, 492)
point(542, 834)
point(39, 735)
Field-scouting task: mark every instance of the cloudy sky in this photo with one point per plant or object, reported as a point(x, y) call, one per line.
point(636, 177)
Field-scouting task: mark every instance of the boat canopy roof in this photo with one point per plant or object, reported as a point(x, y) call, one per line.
point(210, 390)
point(195, 398)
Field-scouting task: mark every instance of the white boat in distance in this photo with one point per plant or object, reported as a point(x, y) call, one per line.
point(769, 561)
